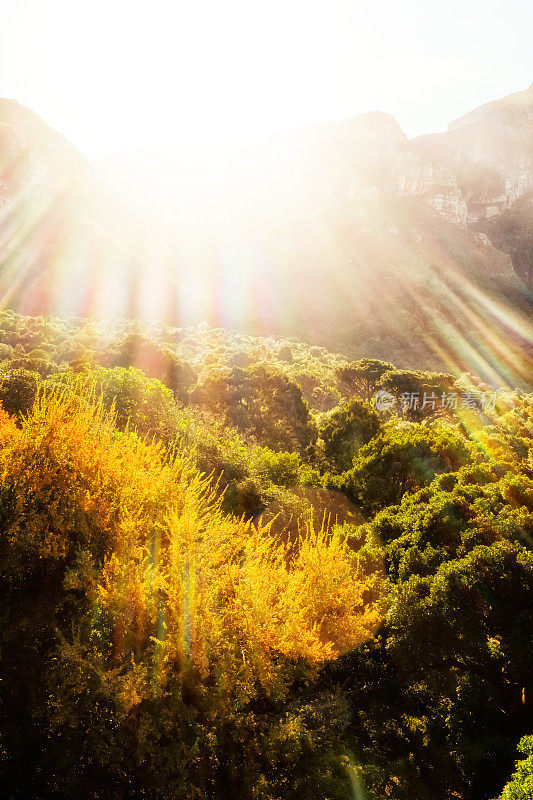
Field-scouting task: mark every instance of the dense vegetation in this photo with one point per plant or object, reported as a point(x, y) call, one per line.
point(225, 573)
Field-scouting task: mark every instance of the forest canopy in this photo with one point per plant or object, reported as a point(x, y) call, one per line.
point(227, 572)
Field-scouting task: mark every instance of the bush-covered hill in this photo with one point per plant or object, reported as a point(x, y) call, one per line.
point(228, 571)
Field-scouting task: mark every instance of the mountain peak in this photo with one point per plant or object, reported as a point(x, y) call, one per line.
point(498, 111)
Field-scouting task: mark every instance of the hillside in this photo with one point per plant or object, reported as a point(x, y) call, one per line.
point(346, 235)
point(226, 571)
point(266, 400)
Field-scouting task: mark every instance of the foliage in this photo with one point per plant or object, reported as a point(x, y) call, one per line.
point(520, 787)
point(160, 639)
point(456, 645)
point(399, 461)
point(363, 377)
point(345, 430)
point(156, 362)
point(419, 395)
point(262, 402)
point(17, 391)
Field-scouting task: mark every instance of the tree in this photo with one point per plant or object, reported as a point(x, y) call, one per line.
point(419, 395)
point(520, 786)
point(156, 362)
point(362, 377)
point(443, 693)
point(400, 461)
point(141, 403)
point(18, 390)
point(345, 430)
point(261, 401)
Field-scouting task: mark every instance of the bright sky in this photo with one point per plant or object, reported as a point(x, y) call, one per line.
point(158, 74)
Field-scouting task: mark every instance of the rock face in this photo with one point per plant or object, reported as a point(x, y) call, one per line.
point(473, 173)
point(434, 183)
point(477, 169)
point(491, 152)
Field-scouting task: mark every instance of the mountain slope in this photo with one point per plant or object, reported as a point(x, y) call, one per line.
point(345, 234)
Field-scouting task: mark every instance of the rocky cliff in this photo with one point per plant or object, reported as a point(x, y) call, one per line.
point(474, 172)
point(490, 150)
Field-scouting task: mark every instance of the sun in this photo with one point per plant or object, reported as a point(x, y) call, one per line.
point(194, 86)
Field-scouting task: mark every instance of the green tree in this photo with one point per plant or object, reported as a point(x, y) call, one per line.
point(362, 377)
point(400, 461)
point(345, 430)
point(157, 362)
point(261, 401)
point(520, 786)
point(419, 395)
point(18, 389)
point(141, 403)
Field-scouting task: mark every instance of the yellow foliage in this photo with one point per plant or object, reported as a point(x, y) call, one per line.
point(184, 588)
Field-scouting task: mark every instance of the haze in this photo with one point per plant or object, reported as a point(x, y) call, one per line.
point(209, 78)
